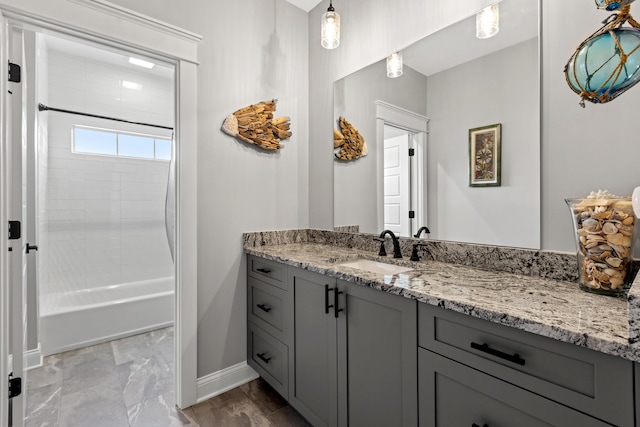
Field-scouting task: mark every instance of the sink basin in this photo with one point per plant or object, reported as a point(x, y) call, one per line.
point(376, 267)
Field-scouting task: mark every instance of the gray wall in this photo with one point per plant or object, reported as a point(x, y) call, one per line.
point(251, 51)
point(497, 88)
point(356, 182)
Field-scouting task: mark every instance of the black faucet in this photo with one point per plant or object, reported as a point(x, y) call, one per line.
point(420, 230)
point(414, 252)
point(396, 244)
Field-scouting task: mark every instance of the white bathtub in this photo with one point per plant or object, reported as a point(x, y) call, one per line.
point(70, 320)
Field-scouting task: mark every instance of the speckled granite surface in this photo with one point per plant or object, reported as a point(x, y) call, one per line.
point(535, 291)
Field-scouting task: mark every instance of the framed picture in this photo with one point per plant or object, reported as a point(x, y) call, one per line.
point(484, 156)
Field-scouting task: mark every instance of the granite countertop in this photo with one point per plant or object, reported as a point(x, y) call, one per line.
point(548, 307)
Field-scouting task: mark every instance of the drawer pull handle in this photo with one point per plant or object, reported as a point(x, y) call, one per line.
point(264, 308)
point(497, 353)
point(326, 299)
point(264, 270)
point(476, 425)
point(263, 357)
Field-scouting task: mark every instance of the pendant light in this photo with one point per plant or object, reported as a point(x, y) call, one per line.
point(394, 65)
point(330, 29)
point(488, 22)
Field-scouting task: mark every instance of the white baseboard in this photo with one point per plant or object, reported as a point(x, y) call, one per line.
point(224, 380)
point(33, 358)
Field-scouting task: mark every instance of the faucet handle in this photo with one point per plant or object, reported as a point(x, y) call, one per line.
point(414, 252)
point(382, 252)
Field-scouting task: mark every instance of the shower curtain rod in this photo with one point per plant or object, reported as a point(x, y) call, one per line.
point(42, 107)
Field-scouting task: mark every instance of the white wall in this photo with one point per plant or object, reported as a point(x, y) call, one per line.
point(582, 149)
point(105, 222)
point(252, 50)
point(456, 102)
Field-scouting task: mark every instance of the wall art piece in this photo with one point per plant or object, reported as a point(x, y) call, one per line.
point(255, 124)
point(348, 141)
point(485, 147)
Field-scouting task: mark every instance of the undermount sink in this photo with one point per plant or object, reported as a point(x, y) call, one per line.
point(376, 267)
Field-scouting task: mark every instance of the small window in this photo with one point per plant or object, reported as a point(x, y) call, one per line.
point(136, 146)
point(113, 143)
point(163, 149)
point(95, 141)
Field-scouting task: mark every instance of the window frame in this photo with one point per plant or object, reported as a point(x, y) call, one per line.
point(117, 133)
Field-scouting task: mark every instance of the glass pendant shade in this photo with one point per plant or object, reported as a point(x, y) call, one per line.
point(394, 65)
point(488, 22)
point(330, 29)
point(605, 65)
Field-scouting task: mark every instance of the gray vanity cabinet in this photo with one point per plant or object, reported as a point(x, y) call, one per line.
point(453, 394)
point(313, 371)
point(354, 359)
point(269, 315)
point(505, 372)
point(377, 360)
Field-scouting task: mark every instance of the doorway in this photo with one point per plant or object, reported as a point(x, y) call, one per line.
point(402, 185)
point(114, 27)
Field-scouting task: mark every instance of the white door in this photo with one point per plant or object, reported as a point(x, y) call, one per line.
point(396, 185)
point(17, 197)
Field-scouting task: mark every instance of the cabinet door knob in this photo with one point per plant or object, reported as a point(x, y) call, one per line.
point(513, 358)
point(264, 308)
point(263, 357)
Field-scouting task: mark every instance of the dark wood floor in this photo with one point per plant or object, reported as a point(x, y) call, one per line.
point(253, 404)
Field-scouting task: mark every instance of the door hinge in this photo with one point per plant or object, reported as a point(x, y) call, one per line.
point(412, 214)
point(14, 230)
point(15, 386)
point(412, 152)
point(14, 72)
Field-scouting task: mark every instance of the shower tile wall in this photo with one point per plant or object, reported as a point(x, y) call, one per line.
point(105, 221)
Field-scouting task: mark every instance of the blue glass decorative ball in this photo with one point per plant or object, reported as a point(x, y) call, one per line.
point(597, 65)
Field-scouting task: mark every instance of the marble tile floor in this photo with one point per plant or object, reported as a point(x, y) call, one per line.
point(129, 383)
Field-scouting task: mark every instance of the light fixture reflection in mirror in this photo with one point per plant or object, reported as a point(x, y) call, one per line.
point(488, 22)
point(394, 65)
point(478, 82)
point(330, 29)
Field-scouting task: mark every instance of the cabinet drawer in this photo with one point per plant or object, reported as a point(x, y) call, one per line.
point(268, 307)
point(268, 271)
point(269, 357)
point(452, 394)
point(592, 382)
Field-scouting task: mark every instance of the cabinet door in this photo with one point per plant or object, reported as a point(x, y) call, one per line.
point(377, 358)
point(452, 394)
point(313, 372)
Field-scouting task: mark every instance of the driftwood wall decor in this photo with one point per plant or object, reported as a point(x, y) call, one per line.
point(255, 124)
point(349, 142)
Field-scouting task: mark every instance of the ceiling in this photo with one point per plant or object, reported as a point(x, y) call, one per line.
point(457, 43)
point(305, 5)
point(104, 54)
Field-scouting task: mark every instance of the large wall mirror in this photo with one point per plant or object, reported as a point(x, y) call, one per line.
point(452, 82)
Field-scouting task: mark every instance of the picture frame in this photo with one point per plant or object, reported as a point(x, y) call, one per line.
point(485, 148)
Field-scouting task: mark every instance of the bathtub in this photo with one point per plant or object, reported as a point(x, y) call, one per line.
point(71, 320)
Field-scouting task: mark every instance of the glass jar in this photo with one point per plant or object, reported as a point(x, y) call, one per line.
point(604, 229)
